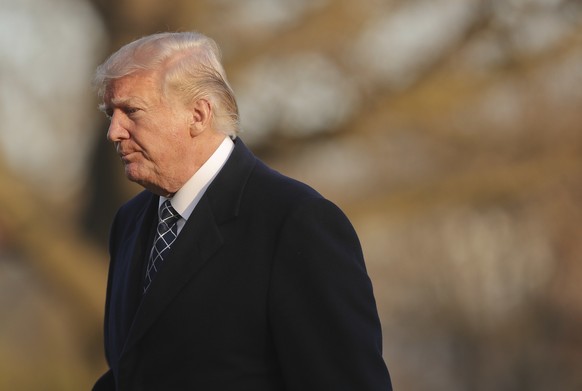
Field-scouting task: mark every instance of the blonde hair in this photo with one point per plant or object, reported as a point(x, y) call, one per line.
point(191, 68)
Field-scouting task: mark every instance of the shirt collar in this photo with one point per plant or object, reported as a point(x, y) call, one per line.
point(186, 199)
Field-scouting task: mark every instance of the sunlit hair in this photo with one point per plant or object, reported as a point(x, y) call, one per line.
point(190, 66)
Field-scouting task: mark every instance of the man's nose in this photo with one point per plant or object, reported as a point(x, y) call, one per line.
point(116, 131)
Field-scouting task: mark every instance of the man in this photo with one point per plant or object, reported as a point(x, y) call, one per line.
point(224, 274)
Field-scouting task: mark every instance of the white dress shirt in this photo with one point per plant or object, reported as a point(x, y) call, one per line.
point(186, 199)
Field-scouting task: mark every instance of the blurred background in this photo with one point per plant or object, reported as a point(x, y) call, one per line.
point(449, 131)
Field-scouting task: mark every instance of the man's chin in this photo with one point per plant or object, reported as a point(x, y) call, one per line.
point(141, 181)
point(133, 175)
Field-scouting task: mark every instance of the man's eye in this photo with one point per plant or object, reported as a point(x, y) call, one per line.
point(127, 111)
point(130, 110)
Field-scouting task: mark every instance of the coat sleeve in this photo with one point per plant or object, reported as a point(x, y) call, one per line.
point(322, 310)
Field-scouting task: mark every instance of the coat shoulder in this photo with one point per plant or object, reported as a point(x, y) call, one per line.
point(279, 188)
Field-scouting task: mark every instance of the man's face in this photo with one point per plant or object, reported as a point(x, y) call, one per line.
point(150, 132)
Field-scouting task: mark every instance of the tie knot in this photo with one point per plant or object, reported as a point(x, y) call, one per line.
point(168, 214)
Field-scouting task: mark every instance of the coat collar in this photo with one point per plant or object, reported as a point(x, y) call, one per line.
point(225, 193)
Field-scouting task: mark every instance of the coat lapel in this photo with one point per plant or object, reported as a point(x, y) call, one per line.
point(125, 283)
point(198, 241)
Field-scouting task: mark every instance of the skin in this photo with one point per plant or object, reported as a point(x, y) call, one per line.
point(161, 141)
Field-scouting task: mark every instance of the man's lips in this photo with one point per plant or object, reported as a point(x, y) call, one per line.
point(126, 153)
point(126, 157)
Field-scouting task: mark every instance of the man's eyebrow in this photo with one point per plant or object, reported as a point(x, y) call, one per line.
point(121, 102)
point(129, 101)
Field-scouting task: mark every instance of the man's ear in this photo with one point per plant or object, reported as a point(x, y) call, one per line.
point(201, 115)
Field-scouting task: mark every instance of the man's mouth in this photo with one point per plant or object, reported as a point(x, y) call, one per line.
point(126, 156)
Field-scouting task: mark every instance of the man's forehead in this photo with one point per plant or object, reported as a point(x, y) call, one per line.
point(131, 88)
